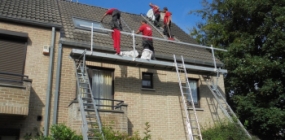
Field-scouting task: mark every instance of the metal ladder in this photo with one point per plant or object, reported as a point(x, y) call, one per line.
point(91, 124)
point(192, 124)
point(222, 103)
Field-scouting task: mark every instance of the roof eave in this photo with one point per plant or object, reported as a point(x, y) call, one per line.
point(154, 64)
point(30, 22)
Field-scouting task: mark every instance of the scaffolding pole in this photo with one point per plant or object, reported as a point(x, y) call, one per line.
point(156, 38)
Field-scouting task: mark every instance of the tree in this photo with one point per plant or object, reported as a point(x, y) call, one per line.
point(253, 32)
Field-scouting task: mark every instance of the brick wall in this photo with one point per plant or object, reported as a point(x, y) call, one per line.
point(15, 100)
point(36, 67)
point(116, 119)
point(162, 108)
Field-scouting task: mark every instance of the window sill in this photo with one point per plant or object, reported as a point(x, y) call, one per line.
point(197, 109)
point(148, 89)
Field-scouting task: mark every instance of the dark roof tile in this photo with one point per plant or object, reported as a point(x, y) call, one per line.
point(30, 10)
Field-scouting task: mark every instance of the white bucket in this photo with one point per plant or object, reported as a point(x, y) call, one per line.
point(146, 54)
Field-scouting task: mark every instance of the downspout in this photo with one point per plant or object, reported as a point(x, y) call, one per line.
point(57, 84)
point(49, 84)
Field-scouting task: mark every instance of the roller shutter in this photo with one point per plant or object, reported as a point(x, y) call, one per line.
point(12, 59)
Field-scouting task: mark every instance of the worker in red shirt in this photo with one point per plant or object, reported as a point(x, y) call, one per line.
point(116, 25)
point(156, 13)
point(167, 23)
point(116, 18)
point(147, 43)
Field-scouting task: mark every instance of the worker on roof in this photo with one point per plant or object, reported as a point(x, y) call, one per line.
point(116, 25)
point(147, 43)
point(167, 23)
point(116, 18)
point(156, 13)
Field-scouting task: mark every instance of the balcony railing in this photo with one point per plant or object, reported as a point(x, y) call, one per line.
point(12, 78)
point(109, 104)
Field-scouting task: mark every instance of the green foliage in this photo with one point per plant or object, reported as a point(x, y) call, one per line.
point(110, 134)
point(58, 132)
point(62, 132)
point(224, 131)
point(253, 32)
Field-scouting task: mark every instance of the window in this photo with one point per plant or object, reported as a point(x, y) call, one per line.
point(13, 48)
point(195, 92)
point(147, 81)
point(86, 24)
point(102, 86)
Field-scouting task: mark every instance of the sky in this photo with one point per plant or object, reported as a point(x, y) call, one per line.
point(178, 8)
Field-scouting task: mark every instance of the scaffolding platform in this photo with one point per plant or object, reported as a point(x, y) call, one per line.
point(137, 62)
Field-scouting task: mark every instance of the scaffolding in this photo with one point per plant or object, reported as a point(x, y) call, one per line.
point(153, 63)
point(133, 35)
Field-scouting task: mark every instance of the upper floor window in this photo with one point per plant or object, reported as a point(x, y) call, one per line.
point(86, 24)
point(147, 81)
point(13, 48)
point(195, 92)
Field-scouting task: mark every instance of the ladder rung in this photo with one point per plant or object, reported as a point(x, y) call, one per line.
point(92, 129)
point(84, 87)
point(91, 116)
point(79, 73)
point(86, 98)
point(89, 109)
point(83, 83)
point(92, 123)
point(87, 104)
point(87, 93)
point(93, 138)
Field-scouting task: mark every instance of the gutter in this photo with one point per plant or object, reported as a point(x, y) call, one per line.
point(57, 84)
point(49, 84)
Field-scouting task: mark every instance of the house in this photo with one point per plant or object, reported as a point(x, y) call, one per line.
point(39, 43)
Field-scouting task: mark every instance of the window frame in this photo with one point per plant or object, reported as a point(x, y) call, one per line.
point(197, 105)
point(21, 41)
point(151, 80)
point(85, 28)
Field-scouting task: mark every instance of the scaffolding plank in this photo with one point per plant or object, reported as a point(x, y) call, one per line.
point(141, 62)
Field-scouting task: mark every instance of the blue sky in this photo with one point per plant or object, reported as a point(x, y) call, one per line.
point(178, 8)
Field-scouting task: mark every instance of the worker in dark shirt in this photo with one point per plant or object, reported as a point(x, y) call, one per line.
point(116, 25)
point(147, 43)
point(167, 23)
point(116, 18)
point(156, 13)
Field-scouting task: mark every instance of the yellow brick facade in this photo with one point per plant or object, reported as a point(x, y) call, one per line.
point(161, 108)
point(36, 67)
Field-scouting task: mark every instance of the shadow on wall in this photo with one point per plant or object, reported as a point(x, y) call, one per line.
point(213, 106)
point(130, 127)
point(124, 83)
point(23, 123)
point(166, 87)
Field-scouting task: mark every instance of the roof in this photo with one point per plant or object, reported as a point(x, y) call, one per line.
point(37, 12)
point(61, 13)
point(163, 49)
